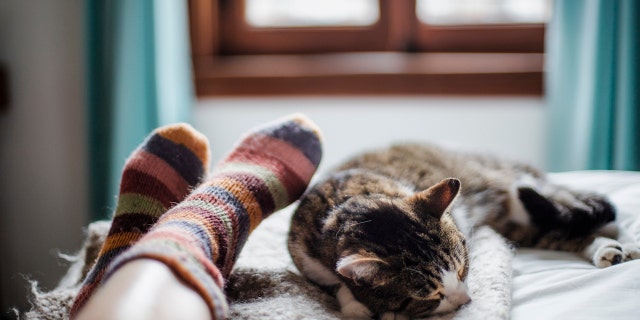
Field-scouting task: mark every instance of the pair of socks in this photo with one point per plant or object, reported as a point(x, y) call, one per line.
point(166, 212)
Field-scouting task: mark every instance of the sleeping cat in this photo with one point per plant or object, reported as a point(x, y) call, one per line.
point(385, 231)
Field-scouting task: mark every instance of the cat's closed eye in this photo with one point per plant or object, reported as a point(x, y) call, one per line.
point(438, 295)
point(425, 293)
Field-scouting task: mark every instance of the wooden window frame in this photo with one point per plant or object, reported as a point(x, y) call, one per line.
point(393, 56)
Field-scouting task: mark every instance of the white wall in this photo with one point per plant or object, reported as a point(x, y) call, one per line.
point(43, 198)
point(512, 127)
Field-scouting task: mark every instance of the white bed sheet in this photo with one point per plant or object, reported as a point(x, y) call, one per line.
point(546, 284)
point(557, 285)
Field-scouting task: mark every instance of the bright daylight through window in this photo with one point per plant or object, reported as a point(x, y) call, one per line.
point(448, 12)
point(311, 13)
point(318, 13)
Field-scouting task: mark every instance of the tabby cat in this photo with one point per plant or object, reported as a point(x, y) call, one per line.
point(384, 234)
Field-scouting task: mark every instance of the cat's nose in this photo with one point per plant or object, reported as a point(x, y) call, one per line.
point(459, 297)
point(466, 299)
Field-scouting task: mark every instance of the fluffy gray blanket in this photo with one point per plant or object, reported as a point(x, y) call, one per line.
point(266, 285)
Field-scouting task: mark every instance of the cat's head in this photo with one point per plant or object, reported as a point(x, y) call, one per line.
point(403, 255)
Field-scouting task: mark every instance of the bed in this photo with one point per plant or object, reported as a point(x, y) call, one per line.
point(556, 285)
point(521, 285)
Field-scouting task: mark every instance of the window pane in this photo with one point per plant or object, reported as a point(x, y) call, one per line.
point(448, 12)
point(311, 13)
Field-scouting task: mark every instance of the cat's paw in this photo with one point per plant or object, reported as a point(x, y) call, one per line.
point(355, 310)
point(631, 251)
point(608, 255)
point(350, 307)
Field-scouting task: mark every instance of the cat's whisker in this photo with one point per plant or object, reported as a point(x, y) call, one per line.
point(363, 222)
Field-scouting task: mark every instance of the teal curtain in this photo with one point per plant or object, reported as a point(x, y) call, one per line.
point(138, 78)
point(593, 88)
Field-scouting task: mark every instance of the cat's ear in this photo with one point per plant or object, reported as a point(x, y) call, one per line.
point(435, 200)
point(360, 268)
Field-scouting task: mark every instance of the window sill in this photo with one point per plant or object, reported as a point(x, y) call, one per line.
point(376, 73)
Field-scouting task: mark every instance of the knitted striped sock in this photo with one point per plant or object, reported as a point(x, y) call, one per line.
point(158, 174)
point(201, 237)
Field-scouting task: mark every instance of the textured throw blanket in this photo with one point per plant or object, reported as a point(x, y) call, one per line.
point(266, 285)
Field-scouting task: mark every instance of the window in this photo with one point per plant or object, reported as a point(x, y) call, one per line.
point(470, 12)
point(303, 13)
point(368, 46)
